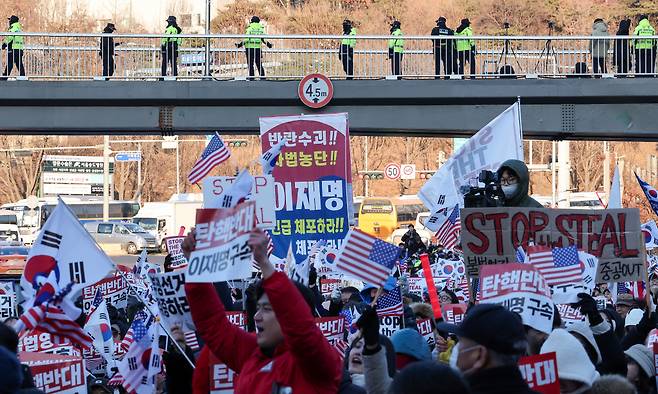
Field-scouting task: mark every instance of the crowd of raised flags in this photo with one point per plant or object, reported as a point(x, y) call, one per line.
point(364, 274)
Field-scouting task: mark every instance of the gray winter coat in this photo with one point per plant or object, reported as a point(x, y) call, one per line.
point(599, 48)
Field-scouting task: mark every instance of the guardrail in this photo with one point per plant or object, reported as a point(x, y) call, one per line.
point(60, 56)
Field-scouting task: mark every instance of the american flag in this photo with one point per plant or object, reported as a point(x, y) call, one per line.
point(521, 256)
point(390, 303)
point(367, 258)
point(53, 320)
point(448, 233)
point(215, 154)
point(351, 315)
point(403, 266)
point(129, 338)
point(637, 289)
point(559, 266)
point(191, 340)
point(133, 379)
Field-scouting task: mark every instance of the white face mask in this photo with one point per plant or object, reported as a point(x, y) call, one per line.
point(453, 358)
point(509, 190)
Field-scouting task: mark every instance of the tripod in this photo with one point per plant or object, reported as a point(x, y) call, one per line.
point(547, 52)
point(506, 51)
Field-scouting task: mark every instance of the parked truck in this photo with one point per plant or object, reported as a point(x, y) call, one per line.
point(165, 219)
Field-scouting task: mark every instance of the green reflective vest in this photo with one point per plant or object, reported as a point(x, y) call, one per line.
point(350, 41)
point(170, 31)
point(15, 41)
point(396, 43)
point(644, 28)
point(254, 29)
point(467, 44)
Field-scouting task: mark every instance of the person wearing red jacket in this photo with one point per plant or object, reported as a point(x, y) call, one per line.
point(288, 353)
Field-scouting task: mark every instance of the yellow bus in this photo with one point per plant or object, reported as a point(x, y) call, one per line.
point(380, 216)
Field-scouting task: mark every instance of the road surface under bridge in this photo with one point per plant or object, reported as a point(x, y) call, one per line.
point(597, 109)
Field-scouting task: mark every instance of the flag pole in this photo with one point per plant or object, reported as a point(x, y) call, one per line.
point(647, 284)
point(139, 296)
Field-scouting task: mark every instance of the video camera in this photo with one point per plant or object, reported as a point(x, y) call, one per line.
point(490, 195)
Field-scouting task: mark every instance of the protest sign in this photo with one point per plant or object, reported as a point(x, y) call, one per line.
point(262, 194)
point(7, 300)
point(520, 289)
point(222, 252)
point(389, 324)
point(540, 372)
point(569, 315)
point(169, 291)
point(40, 341)
point(55, 373)
point(328, 285)
point(425, 329)
point(333, 329)
point(500, 140)
point(652, 338)
point(313, 180)
point(175, 250)
point(115, 292)
point(655, 360)
point(454, 313)
point(491, 236)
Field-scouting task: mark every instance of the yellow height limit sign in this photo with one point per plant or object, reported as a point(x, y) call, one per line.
point(315, 90)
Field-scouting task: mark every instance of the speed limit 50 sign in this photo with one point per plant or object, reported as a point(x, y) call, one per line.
point(392, 171)
point(315, 90)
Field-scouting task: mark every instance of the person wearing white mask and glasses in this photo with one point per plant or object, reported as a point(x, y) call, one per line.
point(514, 181)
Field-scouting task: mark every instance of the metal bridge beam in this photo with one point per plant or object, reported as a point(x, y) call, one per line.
point(609, 109)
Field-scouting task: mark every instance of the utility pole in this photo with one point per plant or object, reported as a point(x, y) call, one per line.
point(564, 174)
point(139, 173)
point(366, 164)
point(106, 177)
point(553, 169)
point(177, 166)
point(606, 168)
point(208, 38)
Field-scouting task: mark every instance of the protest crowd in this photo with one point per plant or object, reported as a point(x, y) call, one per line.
point(508, 298)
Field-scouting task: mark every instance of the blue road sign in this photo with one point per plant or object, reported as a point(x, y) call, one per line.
point(127, 156)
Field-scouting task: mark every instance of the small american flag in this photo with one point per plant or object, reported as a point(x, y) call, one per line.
point(135, 374)
point(351, 315)
point(637, 289)
point(215, 154)
point(403, 266)
point(53, 320)
point(390, 303)
point(559, 266)
point(367, 258)
point(191, 340)
point(448, 233)
point(129, 338)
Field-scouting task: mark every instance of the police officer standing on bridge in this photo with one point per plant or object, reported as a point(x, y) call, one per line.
point(14, 46)
point(346, 53)
point(396, 48)
point(169, 47)
point(253, 46)
point(444, 50)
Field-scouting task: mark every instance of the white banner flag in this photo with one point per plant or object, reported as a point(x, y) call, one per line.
point(500, 140)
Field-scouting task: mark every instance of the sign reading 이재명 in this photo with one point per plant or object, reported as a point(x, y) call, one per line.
point(491, 236)
point(222, 252)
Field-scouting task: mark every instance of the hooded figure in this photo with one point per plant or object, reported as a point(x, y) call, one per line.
point(622, 55)
point(515, 172)
point(576, 372)
point(599, 47)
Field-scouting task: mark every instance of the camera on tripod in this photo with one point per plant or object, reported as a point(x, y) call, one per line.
point(489, 195)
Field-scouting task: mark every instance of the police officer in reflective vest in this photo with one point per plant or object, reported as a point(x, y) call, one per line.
point(396, 48)
point(645, 48)
point(169, 47)
point(14, 46)
point(347, 45)
point(253, 46)
point(465, 47)
point(444, 50)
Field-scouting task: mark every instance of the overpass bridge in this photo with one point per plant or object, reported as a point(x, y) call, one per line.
point(65, 93)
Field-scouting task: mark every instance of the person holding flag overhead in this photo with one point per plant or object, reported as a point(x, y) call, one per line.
point(288, 353)
point(216, 153)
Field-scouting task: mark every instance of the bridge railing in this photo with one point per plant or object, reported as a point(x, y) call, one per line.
point(56, 56)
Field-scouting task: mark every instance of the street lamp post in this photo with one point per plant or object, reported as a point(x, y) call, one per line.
point(208, 38)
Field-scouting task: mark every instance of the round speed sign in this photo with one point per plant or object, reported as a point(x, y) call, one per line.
point(392, 171)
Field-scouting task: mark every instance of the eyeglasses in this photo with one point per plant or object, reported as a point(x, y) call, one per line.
point(509, 181)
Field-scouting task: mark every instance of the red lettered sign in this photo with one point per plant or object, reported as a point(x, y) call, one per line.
point(454, 313)
point(55, 373)
point(540, 371)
